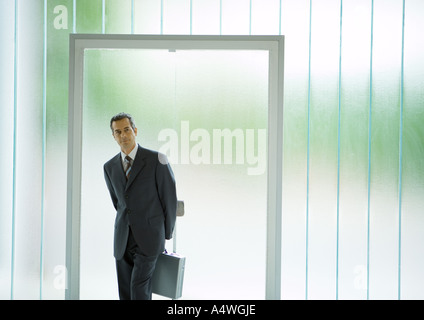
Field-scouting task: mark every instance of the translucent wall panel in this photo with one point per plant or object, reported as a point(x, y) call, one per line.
point(114, 10)
point(235, 17)
point(28, 152)
point(185, 103)
point(295, 24)
point(265, 17)
point(7, 78)
point(353, 149)
point(412, 184)
point(356, 142)
point(21, 86)
point(59, 25)
point(384, 156)
point(322, 151)
point(176, 17)
point(147, 16)
point(89, 16)
point(206, 17)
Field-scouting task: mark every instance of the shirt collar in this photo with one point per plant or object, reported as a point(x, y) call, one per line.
point(132, 154)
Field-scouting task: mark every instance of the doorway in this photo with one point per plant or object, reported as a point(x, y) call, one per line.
point(213, 105)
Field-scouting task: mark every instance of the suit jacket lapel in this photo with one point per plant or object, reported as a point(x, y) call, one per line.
point(137, 166)
point(118, 164)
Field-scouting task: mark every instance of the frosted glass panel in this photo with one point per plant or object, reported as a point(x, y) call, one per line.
point(147, 16)
point(89, 16)
point(354, 122)
point(295, 24)
point(384, 181)
point(59, 25)
point(206, 17)
point(7, 141)
point(207, 110)
point(235, 17)
point(323, 123)
point(117, 16)
point(28, 155)
point(412, 262)
point(360, 191)
point(176, 17)
point(265, 17)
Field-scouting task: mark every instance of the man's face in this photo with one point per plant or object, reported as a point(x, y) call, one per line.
point(124, 134)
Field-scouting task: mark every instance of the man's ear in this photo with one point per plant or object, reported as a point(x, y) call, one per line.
point(135, 131)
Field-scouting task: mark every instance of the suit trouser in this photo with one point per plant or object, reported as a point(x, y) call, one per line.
point(135, 272)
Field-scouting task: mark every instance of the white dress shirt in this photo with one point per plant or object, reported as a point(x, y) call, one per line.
point(132, 155)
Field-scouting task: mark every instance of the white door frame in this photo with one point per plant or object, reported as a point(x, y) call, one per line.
point(273, 44)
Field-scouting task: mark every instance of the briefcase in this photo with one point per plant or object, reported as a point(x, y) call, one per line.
point(168, 276)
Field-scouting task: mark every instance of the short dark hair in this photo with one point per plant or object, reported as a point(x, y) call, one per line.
point(120, 116)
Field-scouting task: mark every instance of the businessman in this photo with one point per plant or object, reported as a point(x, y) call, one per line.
point(142, 187)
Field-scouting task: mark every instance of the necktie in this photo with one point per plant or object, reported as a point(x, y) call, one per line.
point(127, 166)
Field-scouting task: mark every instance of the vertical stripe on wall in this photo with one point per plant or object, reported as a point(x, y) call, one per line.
point(369, 154)
point(400, 151)
point(338, 151)
point(43, 151)
point(308, 151)
point(15, 101)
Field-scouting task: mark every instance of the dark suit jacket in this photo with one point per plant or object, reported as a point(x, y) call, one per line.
point(146, 203)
